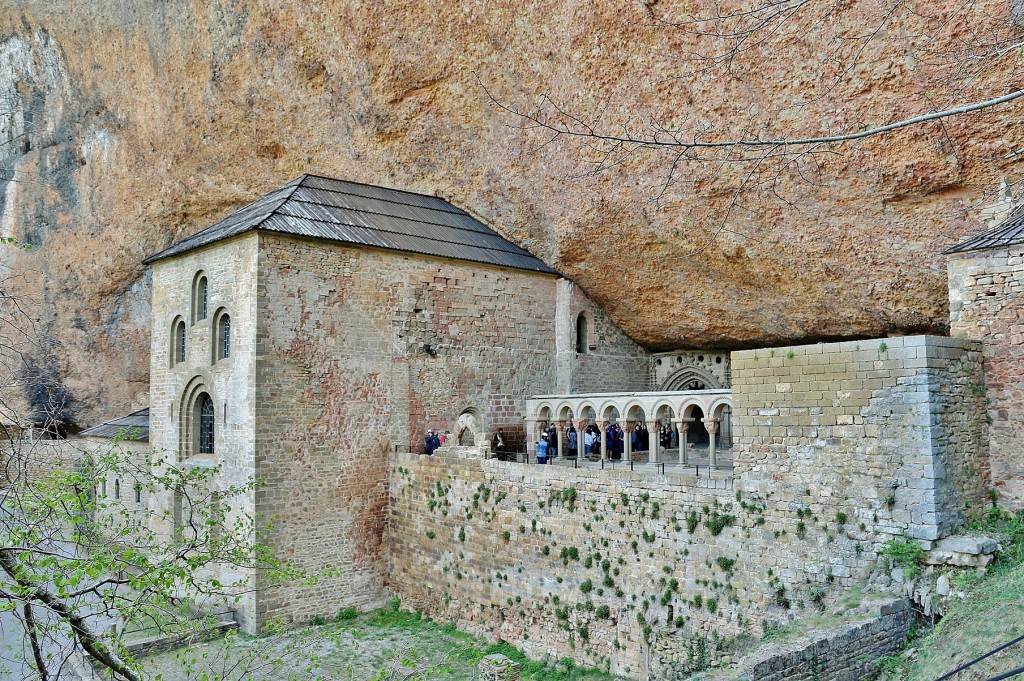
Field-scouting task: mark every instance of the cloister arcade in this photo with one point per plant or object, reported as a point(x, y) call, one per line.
point(696, 423)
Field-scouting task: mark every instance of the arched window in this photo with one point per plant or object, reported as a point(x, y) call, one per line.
point(224, 336)
point(178, 343)
point(200, 298)
point(582, 335)
point(204, 411)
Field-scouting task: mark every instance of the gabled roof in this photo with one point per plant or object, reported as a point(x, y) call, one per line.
point(354, 213)
point(134, 426)
point(1008, 233)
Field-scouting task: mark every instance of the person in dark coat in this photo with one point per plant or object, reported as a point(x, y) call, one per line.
point(574, 443)
point(498, 445)
point(430, 443)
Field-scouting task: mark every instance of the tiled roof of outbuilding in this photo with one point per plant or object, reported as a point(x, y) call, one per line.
point(1009, 232)
point(354, 213)
point(134, 426)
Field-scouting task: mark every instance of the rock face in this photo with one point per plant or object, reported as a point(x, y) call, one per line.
point(127, 127)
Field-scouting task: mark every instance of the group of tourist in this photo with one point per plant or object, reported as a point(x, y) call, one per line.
point(547, 444)
point(435, 440)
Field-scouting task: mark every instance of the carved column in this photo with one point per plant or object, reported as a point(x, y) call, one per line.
point(654, 438)
point(682, 427)
point(604, 439)
point(712, 426)
point(558, 436)
point(627, 440)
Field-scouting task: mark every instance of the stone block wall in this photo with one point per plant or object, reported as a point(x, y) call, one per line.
point(887, 432)
point(362, 350)
point(229, 267)
point(986, 303)
point(847, 654)
point(613, 362)
point(839, 448)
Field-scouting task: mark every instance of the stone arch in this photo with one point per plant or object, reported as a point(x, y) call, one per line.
point(200, 296)
point(686, 376)
point(584, 333)
point(545, 412)
point(697, 433)
point(178, 345)
point(192, 409)
point(220, 345)
point(468, 431)
point(565, 412)
point(634, 411)
point(664, 411)
point(722, 410)
point(609, 412)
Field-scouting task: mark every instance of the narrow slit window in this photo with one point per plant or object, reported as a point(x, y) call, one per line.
point(224, 331)
point(582, 335)
point(179, 354)
point(202, 299)
point(117, 489)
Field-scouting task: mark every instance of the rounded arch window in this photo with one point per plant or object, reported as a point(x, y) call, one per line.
point(179, 335)
point(221, 336)
point(582, 334)
point(200, 297)
point(204, 420)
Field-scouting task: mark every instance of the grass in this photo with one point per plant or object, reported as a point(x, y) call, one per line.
point(361, 647)
point(992, 613)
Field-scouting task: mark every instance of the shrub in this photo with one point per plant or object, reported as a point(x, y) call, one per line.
point(840, 518)
point(603, 612)
point(718, 522)
point(586, 586)
point(725, 564)
point(904, 554)
point(349, 613)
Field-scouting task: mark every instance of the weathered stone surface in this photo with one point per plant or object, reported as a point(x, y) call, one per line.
point(970, 545)
point(148, 121)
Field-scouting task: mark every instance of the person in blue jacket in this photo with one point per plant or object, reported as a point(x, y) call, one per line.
point(542, 450)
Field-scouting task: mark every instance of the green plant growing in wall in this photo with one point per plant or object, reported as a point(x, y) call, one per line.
point(725, 564)
point(692, 520)
point(586, 586)
point(712, 605)
point(882, 347)
point(506, 535)
point(462, 534)
point(840, 518)
point(905, 555)
point(717, 522)
point(430, 534)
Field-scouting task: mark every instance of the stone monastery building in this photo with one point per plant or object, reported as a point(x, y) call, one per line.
point(314, 336)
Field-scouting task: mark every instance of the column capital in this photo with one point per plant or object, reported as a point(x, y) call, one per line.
point(711, 424)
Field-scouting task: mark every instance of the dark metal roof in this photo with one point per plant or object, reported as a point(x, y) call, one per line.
point(354, 213)
point(134, 426)
point(1009, 232)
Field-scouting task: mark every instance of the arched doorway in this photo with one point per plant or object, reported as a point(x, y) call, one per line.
point(697, 434)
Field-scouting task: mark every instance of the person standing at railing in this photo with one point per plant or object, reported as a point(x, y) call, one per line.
point(542, 450)
point(574, 443)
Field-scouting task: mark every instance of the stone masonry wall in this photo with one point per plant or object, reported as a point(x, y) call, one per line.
point(839, 448)
point(613, 362)
point(360, 351)
point(986, 303)
point(886, 432)
point(229, 267)
point(848, 654)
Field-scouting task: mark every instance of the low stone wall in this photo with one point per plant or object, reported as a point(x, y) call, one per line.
point(846, 654)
